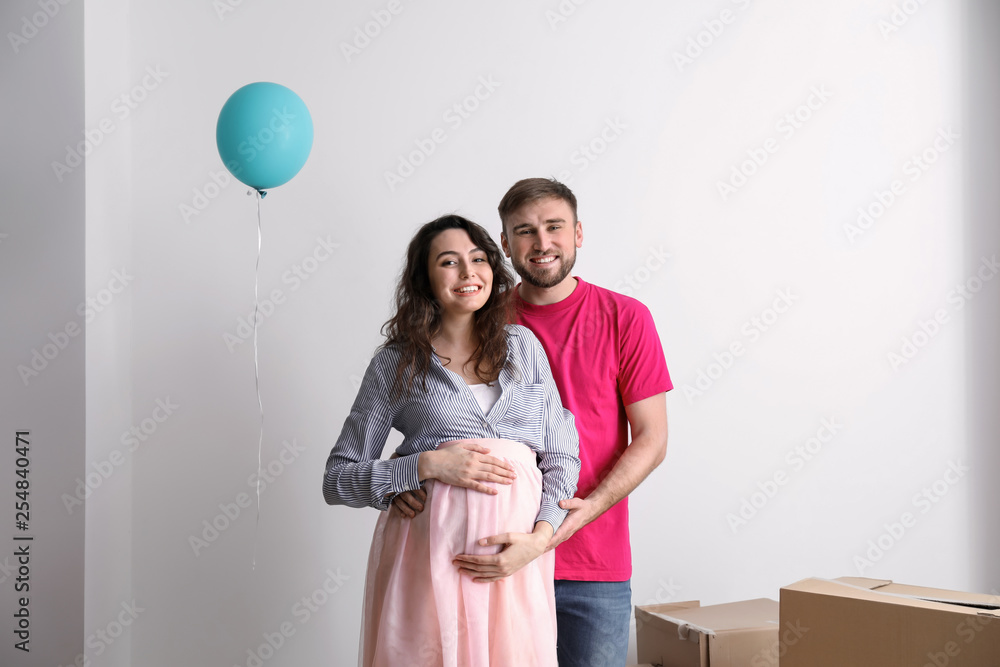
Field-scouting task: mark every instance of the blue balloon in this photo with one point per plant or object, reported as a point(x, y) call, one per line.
point(264, 134)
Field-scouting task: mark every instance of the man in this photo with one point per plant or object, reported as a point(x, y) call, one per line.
point(608, 364)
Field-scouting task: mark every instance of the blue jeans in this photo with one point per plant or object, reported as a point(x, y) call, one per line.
point(593, 619)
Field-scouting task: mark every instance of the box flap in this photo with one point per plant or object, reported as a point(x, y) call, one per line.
point(982, 601)
point(842, 624)
point(864, 582)
point(887, 593)
point(668, 608)
point(721, 618)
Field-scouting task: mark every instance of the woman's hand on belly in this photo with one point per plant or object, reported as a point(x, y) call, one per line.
point(519, 549)
point(466, 464)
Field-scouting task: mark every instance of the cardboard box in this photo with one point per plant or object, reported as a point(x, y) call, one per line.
point(685, 634)
point(876, 623)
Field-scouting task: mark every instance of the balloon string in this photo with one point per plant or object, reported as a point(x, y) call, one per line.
point(256, 372)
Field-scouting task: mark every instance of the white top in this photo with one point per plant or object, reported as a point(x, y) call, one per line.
point(486, 395)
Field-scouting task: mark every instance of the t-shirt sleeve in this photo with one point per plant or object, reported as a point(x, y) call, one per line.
point(643, 369)
point(355, 475)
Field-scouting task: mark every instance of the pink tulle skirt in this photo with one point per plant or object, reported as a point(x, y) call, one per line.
point(419, 611)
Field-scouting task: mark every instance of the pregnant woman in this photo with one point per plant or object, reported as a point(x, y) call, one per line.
point(487, 445)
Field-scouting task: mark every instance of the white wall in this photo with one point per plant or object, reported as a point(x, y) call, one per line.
point(680, 130)
point(110, 599)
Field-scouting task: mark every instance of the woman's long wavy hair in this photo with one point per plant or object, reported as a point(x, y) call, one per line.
point(418, 315)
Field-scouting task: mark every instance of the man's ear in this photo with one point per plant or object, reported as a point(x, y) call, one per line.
point(578, 233)
point(503, 244)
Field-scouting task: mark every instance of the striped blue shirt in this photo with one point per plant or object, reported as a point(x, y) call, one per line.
point(528, 411)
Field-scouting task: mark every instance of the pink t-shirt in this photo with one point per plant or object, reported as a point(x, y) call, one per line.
point(605, 354)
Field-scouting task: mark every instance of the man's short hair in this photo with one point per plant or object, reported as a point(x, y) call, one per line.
point(531, 190)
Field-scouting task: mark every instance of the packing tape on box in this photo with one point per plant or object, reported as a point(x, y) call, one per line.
point(684, 628)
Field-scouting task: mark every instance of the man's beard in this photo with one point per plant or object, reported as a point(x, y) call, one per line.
point(544, 279)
